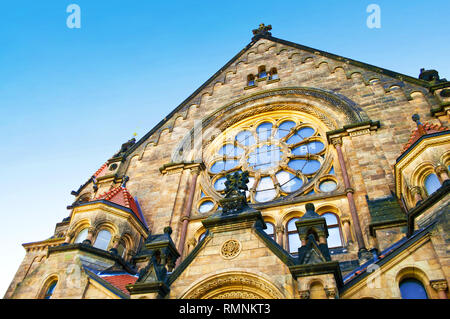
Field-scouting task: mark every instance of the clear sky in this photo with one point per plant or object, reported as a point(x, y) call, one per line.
point(70, 97)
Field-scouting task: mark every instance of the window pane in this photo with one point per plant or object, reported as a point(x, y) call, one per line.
point(245, 138)
point(264, 157)
point(294, 243)
point(264, 131)
point(265, 196)
point(334, 237)
point(284, 129)
point(220, 184)
point(305, 132)
point(230, 150)
point(412, 289)
point(311, 167)
point(220, 166)
point(291, 224)
point(432, 184)
point(82, 235)
point(330, 218)
point(206, 206)
point(50, 289)
point(201, 237)
point(327, 186)
point(103, 239)
point(270, 230)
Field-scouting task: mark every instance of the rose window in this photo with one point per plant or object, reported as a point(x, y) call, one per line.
point(282, 156)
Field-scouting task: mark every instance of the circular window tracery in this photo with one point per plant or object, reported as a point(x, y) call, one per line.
point(282, 155)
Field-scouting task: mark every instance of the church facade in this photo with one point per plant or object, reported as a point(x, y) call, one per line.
point(291, 173)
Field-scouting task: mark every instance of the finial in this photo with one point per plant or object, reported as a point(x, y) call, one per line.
point(420, 128)
point(168, 230)
point(310, 207)
point(416, 118)
point(263, 30)
point(134, 134)
point(94, 183)
point(124, 181)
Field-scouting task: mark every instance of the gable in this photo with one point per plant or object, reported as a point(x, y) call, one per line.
point(215, 259)
point(263, 51)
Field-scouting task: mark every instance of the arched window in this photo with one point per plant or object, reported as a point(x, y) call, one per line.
point(49, 291)
point(293, 239)
point(262, 72)
point(411, 288)
point(270, 230)
point(432, 183)
point(250, 80)
point(334, 230)
point(103, 239)
point(273, 74)
point(82, 235)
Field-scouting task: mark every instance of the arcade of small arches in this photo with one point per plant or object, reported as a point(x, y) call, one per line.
point(426, 179)
point(104, 236)
point(285, 233)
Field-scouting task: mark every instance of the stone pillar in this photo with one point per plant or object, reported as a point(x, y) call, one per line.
point(187, 211)
point(347, 231)
point(351, 201)
point(90, 236)
point(441, 173)
point(69, 236)
point(440, 286)
point(279, 234)
point(416, 193)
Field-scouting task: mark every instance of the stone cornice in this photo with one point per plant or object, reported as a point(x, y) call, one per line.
point(92, 250)
point(356, 129)
point(171, 168)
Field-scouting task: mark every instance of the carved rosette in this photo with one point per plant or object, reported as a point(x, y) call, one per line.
point(230, 249)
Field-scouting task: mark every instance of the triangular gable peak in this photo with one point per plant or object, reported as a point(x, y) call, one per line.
point(121, 196)
point(263, 43)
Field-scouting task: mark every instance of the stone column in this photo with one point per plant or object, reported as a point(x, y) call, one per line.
point(351, 201)
point(347, 231)
point(279, 234)
point(440, 286)
point(441, 173)
point(69, 236)
point(90, 236)
point(187, 211)
point(416, 193)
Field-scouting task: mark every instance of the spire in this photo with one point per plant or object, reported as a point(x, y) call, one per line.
point(262, 31)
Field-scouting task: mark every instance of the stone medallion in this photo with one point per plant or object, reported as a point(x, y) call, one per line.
point(230, 249)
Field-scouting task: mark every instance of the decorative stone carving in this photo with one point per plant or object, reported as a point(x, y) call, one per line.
point(439, 285)
point(304, 294)
point(225, 284)
point(230, 249)
point(331, 293)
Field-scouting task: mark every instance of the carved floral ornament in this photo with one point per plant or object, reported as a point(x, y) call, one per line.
point(230, 249)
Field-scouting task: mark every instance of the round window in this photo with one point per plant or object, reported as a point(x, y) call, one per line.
point(327, 186)
point(281, 155)
point(206, 206)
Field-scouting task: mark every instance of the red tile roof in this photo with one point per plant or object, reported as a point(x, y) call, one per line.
point(101, 171)
point(120, 281)
point(120, 195)
point(424, 129)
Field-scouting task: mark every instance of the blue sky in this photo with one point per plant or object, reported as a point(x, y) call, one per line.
point(70, 97)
